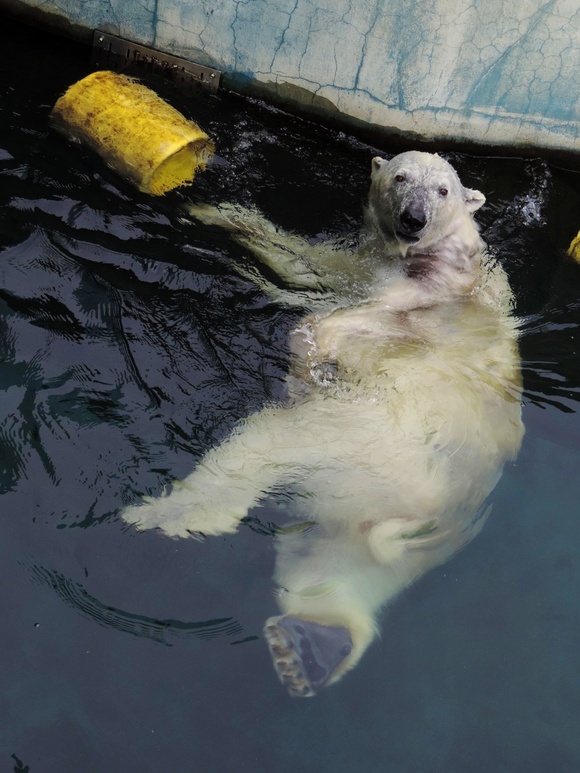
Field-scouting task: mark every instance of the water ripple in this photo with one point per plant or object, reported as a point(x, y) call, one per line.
point(163, 631)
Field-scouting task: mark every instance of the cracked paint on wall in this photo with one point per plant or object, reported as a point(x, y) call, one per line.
point(485, 71)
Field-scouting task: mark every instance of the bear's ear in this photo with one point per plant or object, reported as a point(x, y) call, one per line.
point(473, 199)
point(378, 162)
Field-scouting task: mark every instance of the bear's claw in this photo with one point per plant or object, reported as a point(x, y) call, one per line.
point(306, 654)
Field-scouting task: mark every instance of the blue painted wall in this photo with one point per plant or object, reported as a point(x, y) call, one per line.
point(499, 72)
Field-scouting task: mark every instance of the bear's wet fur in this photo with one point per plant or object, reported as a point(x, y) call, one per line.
point(404, 406)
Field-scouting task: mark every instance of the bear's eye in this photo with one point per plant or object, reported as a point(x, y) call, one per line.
point(443, 192)
point(400, 178)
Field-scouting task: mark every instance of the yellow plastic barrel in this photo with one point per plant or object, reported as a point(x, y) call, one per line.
point(136, 133)
point(574, 249)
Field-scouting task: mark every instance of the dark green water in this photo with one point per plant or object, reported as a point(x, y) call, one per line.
point(129, 345)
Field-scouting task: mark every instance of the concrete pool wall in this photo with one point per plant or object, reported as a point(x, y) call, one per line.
point(493, 73)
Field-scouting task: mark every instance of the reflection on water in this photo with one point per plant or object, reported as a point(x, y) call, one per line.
point(129, 347)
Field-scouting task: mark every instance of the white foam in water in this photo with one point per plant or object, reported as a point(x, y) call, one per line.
point(532, 210)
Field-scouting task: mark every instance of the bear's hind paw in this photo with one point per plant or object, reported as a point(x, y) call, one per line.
point(176, 519)
point(306, 654)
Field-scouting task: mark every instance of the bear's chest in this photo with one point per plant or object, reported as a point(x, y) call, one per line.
point(355, 340)
point(419, 348)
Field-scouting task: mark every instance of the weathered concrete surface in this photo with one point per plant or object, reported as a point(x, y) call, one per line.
point(495, 72)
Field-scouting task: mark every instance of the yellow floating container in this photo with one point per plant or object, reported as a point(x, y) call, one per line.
point(138, 134)
point(574, 249)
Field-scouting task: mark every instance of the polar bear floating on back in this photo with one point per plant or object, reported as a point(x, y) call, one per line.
point(404, 405)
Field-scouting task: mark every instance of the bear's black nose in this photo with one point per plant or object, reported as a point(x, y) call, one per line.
point(413, 218)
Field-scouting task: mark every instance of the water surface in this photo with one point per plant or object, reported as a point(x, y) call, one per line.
point(129, 345)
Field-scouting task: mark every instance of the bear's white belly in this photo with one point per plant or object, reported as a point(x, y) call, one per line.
point(411, 413)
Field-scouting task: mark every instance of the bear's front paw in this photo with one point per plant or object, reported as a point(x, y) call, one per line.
point(226, 216)
point(325, 373)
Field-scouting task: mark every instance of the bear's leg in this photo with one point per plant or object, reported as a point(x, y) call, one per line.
point(283, 253)
point(227, 482)
point(330, 592)
point(315, 274)
point(423, 542)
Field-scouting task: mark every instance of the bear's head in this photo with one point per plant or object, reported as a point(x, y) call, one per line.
point(417, 198)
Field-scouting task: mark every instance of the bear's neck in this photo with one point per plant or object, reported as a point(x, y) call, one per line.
point(450, 268)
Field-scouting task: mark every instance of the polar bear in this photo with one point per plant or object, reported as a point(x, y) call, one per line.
point(404, 405)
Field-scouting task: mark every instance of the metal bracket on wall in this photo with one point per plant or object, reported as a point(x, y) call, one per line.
point(116, 53)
